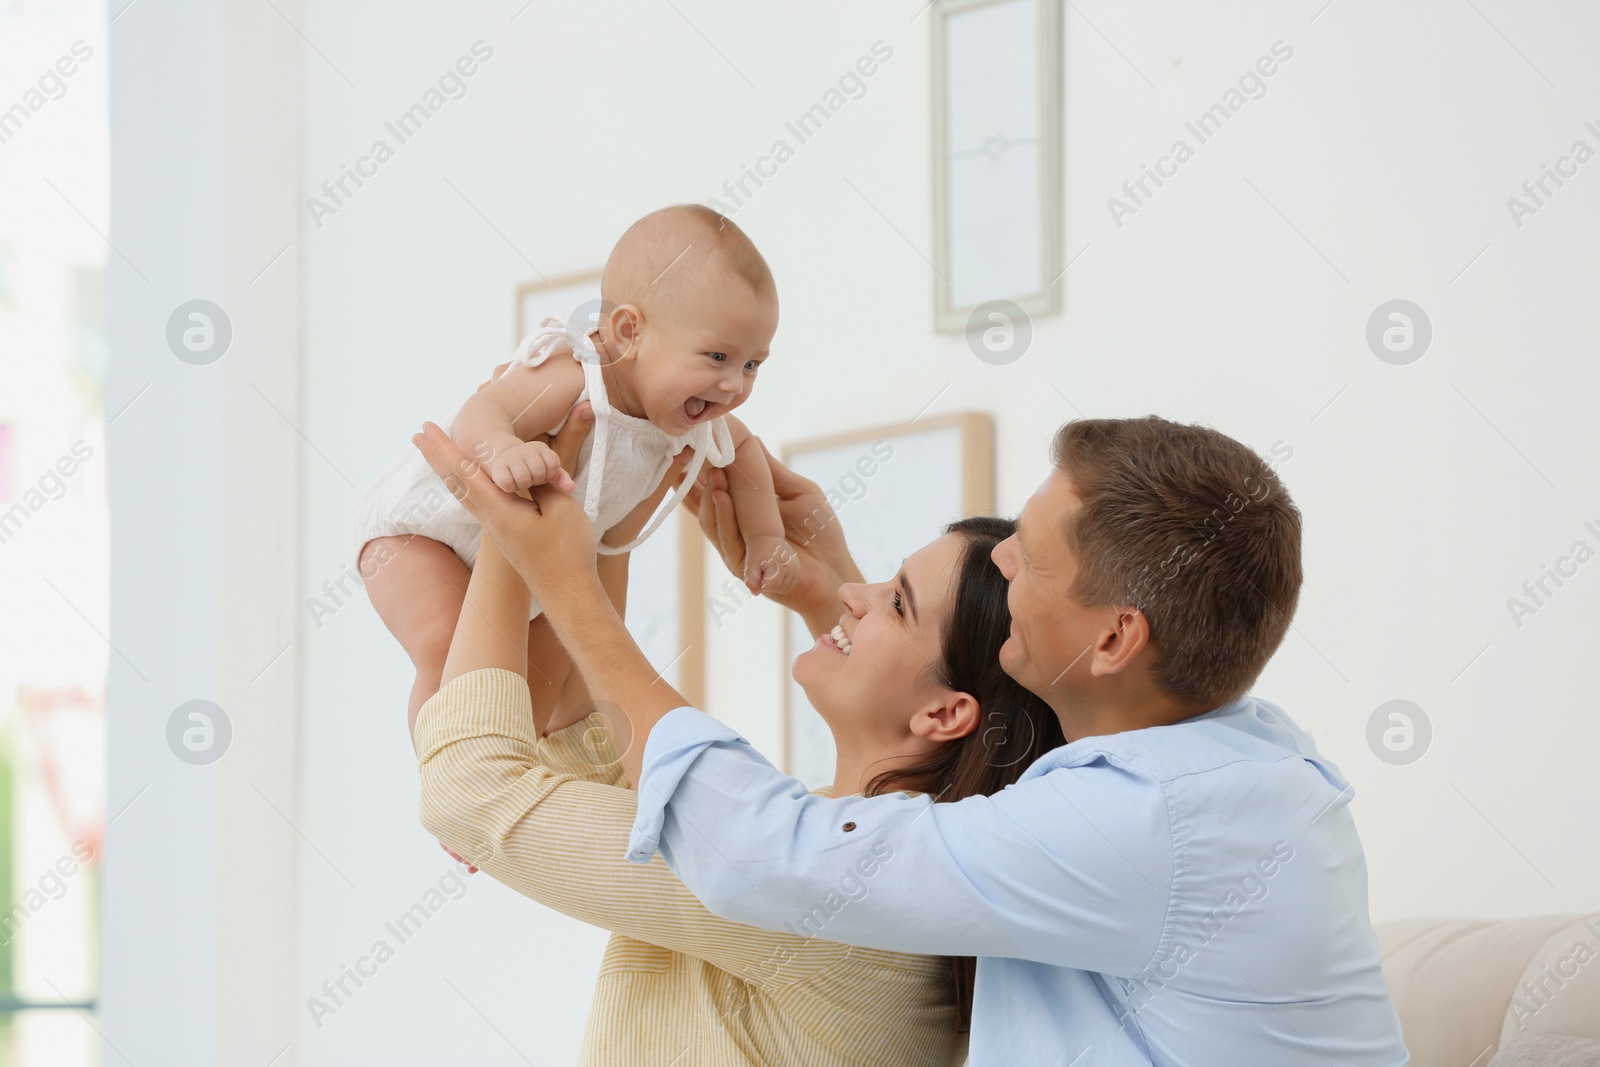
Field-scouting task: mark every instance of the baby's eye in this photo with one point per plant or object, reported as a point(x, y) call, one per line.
point(717, 357)
point(752, 365)
point(897, 610)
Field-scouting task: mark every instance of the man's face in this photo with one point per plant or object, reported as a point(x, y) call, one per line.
point(1052, 635)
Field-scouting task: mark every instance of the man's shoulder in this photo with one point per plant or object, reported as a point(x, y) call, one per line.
point(1243, 739)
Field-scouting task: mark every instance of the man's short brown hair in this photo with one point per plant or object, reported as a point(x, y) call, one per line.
point(1195, 530)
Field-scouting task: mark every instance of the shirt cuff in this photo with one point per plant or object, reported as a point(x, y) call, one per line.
point(487, 702)
point(674, 744)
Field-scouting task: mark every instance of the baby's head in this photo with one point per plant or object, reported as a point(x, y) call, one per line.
point(690, 302)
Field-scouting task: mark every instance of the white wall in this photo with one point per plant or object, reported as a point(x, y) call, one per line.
point(205, 497)
point(1377, 166)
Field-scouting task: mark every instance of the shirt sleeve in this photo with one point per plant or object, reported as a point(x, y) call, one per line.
point(1075, 867)
point(560, 840)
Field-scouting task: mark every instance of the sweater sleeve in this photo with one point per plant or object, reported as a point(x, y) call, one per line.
point(562, 840)
point(584, 750)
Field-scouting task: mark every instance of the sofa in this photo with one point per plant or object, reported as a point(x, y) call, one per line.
point(1512, 993)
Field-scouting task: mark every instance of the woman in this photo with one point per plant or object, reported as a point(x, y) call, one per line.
point(907, 678)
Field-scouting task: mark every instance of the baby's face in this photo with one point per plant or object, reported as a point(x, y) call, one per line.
point(698, 359)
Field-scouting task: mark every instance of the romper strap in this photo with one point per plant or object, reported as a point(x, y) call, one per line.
point(553, 332)
point(667, 509)
point(550, 334)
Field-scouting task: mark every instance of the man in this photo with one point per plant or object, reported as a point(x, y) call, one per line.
point(1179, 884)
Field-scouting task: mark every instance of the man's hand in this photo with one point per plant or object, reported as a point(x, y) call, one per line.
point(546, 536)
point(821, 559)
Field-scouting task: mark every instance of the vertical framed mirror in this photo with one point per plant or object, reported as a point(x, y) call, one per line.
point(996, 156)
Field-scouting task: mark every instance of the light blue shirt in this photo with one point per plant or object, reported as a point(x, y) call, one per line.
point(1191, 895)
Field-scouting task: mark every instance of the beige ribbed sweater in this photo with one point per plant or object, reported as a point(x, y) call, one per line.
point(678, 986)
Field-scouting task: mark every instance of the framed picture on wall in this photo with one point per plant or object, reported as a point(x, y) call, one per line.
point(666, 574)
point(894, 488)
point(996, 156)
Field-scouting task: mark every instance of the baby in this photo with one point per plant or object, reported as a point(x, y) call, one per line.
point(688, 310)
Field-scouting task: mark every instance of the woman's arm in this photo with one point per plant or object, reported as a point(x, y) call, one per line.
point(492, 628)
point(562, 841)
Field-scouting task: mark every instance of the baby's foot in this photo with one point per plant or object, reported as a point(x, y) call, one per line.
point(770, 566)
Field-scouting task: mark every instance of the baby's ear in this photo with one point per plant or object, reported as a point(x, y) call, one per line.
point(624, 325)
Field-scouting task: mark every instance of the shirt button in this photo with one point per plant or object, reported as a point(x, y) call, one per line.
point(849, 826)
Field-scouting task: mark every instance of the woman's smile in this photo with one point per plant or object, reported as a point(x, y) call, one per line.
point(840, 639)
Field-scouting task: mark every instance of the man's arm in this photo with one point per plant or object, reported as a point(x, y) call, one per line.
point(493, 792)
point(1073, 867)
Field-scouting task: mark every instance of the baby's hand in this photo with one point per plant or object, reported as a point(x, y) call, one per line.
point(526, 465)
point(769, 565)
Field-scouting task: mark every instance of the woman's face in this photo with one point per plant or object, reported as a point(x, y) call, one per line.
point(868, 685)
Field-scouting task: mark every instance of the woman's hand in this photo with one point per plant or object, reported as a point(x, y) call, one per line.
point(821, 557)
point(546, 536)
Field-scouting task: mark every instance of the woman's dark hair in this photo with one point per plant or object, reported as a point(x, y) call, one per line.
point(1016, 728)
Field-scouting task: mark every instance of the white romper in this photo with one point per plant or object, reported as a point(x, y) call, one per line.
point(621, 462)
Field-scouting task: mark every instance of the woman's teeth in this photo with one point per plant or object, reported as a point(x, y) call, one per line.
point(694, 407)
point(840, 641)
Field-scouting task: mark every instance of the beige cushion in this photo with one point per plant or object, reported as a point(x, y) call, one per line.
point(1548, 1050)
point(1559, 991)
point(1451, 981)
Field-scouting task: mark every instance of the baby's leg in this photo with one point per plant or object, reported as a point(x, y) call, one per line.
point(417, 585)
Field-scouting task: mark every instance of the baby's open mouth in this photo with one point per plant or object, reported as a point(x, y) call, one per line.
point(694, 407)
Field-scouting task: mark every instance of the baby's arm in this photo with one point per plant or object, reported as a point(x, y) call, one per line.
point(494, 424)
point(768, 559)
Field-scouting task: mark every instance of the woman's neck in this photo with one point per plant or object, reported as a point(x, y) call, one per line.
point(855, 768)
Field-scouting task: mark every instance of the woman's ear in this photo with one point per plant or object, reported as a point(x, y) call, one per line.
point(955, 716)
point(623, 327)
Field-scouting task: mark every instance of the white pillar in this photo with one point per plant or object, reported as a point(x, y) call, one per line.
point(205, 468)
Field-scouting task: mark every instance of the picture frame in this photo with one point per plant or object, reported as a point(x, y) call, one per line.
point(666, 574)
point(562, 295)
point(895, 486)
point(997, 80)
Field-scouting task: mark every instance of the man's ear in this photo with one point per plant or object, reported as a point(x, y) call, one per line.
point(953, 716)
point(1121, 642)
point(623, 327)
